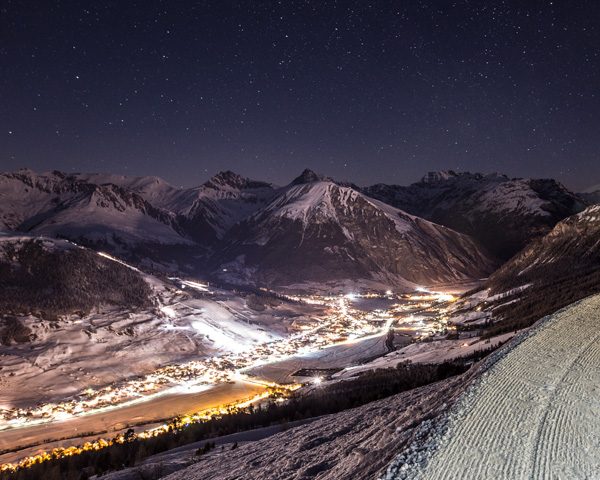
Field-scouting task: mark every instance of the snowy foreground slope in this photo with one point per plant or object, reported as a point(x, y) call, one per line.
point(535, 414)
point(354, 444)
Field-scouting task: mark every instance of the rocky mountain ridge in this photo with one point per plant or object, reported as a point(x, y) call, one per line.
point(312, 230)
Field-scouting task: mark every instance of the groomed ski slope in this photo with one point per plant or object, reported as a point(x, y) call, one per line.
point(535, 414)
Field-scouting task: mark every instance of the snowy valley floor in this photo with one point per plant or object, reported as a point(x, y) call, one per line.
point(535, 414)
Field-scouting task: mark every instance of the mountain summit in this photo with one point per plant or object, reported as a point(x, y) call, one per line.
point(229, 179)
point(313, 230)
point(320, 231)
point(308, 176)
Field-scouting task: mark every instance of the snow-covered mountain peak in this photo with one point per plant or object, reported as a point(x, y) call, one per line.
point(502, 213)
point(155, 190)
point(324, 201)
point(231, 180)
point(308, 176)
point(311, 232)
point(450, 176)
point(220, 203)
point(312, 201)
point(82, 207)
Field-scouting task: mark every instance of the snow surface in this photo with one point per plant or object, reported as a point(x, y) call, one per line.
point(510, 197)
point(427, 352)
point(354, 444)
point(110, 344)
point(533, 414)
point(57, 204)
point(324, 200)
point(337, 356)
point(153, 189)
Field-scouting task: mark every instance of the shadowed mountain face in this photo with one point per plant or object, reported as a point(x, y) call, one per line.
point(571, 249)
point(220, 203)
point(550, 273)
point(501, 213)
point(591, 195)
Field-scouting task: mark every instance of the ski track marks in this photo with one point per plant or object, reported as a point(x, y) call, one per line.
point(535, 414)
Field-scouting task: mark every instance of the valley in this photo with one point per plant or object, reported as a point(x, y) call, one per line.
point(246, 359)
point(299, 240)
point(133, 310)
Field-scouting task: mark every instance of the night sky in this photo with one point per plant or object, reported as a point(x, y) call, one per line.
point(362, 91)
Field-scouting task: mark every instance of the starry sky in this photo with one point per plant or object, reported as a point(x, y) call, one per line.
point(362, 91)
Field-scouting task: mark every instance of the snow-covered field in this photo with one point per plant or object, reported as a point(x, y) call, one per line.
point(337, 356)
point(73, 353)
point(534, 414)
point(427, 352)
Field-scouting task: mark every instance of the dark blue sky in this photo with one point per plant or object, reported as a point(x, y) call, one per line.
point(363, 91)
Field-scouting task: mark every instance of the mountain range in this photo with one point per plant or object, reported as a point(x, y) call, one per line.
point(446, 228)
point(503, 214)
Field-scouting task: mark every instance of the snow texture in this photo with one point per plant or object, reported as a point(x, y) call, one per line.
point(533, 414)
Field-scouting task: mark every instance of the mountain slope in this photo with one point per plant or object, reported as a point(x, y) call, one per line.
point(57, 277)
point(154, 190)
point(57, 204)
point(320, 231)
point(313, 230)
point(550, 273)
point(503, 214)
point(205, 213)
point(220, 203)
point(591, 195)
point(572, 247)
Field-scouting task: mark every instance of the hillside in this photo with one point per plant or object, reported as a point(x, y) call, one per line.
point(311, 232)
point(58, 204)
point(550, 273)
point(591, 194)
point(154, 190)
point(49, 277)
point(571, 248)
point(220, 203)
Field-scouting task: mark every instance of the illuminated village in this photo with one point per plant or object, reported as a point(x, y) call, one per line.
point(420, 315)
